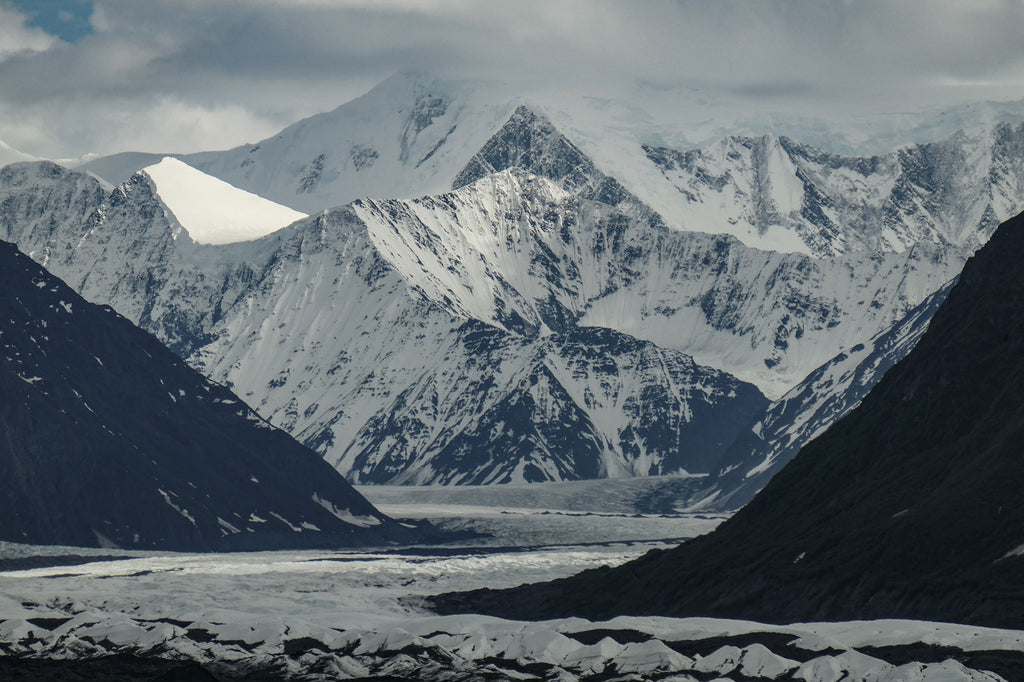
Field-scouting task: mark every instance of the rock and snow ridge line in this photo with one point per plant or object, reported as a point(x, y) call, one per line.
point(518, 252)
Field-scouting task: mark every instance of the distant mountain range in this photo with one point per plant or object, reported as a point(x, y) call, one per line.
point(109, 439)
point(909, 507)
point(544, 313)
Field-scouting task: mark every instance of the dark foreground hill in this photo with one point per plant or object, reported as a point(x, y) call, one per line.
point(911, 507)
point(108, 439)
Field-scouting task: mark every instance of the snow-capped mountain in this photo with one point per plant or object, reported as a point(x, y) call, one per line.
point(109, 439)
point(535, 306)
point(414, 135)
point(394, 344)
point(516, 252)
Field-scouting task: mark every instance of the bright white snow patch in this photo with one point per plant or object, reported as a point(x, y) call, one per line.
point(211, 210)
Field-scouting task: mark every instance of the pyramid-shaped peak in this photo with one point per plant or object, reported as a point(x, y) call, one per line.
point(531, 142)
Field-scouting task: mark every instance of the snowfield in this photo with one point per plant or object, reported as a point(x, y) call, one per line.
point(213, 211)
point(355, 614)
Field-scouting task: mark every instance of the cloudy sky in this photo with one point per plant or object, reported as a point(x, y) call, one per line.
point(79, 76)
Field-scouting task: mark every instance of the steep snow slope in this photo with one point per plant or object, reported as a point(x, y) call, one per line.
point(586, 404)
point(211, 210)
point(949, 192)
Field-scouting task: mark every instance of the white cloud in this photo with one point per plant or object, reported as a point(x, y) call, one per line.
point(18, 38)
point(161, 124)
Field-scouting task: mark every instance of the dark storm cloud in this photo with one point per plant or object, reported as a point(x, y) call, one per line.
point(190, 74)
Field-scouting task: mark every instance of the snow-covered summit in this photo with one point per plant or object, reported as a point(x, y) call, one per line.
point(213, 211)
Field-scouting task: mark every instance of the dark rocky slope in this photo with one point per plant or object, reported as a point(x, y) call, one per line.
point(909, 507)
point(108, 438)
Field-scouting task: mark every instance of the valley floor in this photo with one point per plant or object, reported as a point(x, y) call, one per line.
point(107, 614)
